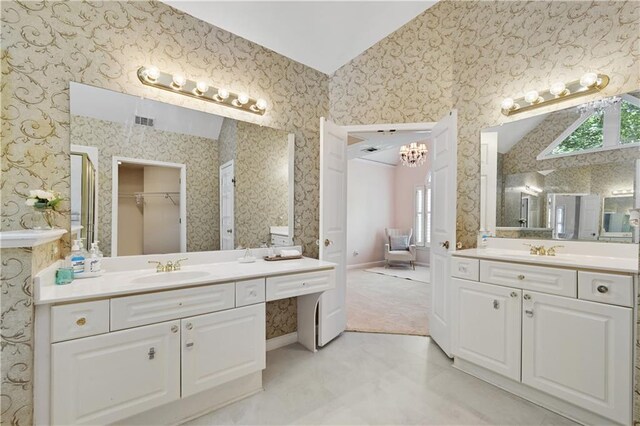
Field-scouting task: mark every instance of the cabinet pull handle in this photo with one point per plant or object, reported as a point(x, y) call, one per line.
point(521, 277)
point(152, 353)
point(174, 328)
point(190, 345)
point(529, 312)
point(527, 297)
point(189, 326)
point(496, 304)
point(514, 294)
point(81, 321)
point(603, 289)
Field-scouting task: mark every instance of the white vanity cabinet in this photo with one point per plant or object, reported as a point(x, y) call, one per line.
point(105, 378)
point(565, 349)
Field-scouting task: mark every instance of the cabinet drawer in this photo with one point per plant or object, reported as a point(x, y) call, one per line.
point(133, 311)
point(299, 284)
point(537, 278)
point(606, 288)
point(79, 320)
point(250, 292)
point(469, 269)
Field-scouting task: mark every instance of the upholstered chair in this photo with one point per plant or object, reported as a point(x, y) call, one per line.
point(399, 246)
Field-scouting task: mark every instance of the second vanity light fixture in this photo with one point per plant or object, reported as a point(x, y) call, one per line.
point(178, 83)
point(589, 83)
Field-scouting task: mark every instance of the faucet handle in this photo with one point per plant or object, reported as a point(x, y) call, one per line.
point(169, 266)
point(160, 267)
point(532, 249)
point(177, 265)
point(551, 251)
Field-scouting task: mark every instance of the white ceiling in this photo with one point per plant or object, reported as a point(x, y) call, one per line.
point(323, 35)
point(387, 145)
point(103, 104)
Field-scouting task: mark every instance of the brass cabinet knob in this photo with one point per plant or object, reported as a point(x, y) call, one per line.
point(521, 277)
point(189, 326)
point(174, 328)
point(527, 297)
point(602, 289)
point(81, 321)
point(514, 294)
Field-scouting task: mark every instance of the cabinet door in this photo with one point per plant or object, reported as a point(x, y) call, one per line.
point(103, 379)
point(486, 326)
point(223, 346)
point(579, 351)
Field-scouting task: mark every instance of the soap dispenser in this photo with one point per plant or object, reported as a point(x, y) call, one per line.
point(93, 264)
point(78, 256)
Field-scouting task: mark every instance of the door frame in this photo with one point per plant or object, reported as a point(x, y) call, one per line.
point(230, 163)
point(115, 162)
point(92, 153)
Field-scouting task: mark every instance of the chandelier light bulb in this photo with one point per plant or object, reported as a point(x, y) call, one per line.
point(507, 104)
point(532, 96)
point(243, 98)
point(179, 80)
point(413, 155)
point(261, 104)
point(588, 80)
point(202, 87)
point(558, 89)
point(153, 73)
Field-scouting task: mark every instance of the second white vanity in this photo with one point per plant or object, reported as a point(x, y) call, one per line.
point(557, 330)
point(136, 346)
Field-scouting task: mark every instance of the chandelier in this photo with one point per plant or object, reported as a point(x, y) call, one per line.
point(599, 105)
point(413, 155)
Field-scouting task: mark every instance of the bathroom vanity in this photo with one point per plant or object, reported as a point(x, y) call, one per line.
point(556, 330)
point(136, 346)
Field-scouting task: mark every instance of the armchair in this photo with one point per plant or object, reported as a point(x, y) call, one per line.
point(399, 255)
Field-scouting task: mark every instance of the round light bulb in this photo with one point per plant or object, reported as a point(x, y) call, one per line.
point(179, 80)
point(202, 87)
point(531, 96)
point(558, 88)
point(589, 79)
point(261, 104)
point(223, 93)
point(243, 98)
point(153, 73)
point(507, 104)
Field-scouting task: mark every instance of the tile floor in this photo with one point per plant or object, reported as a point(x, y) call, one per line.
point(375, 379)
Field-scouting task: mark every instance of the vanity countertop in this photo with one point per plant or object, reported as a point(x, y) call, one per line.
point(141, 281)
point(627, 265)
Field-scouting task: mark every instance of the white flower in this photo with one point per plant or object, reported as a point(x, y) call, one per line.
point(33, 193)
point(30, 201)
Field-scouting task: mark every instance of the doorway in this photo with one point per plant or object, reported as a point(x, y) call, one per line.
point(227, 198)
point(148, 207)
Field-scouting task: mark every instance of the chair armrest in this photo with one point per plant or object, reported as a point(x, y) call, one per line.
point(412, 250)
point(387, 248)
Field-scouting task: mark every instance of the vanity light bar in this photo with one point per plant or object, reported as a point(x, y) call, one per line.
point(589, 83)
point(622, 192)
point(178, 83)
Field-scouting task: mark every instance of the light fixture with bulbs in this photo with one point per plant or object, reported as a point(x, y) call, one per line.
point(178, 83)
point(589, 83)
point(414, 154)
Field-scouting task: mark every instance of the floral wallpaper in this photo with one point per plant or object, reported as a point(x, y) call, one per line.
point(227, 141)
point(141, 142)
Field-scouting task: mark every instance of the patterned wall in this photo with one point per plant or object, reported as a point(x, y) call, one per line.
point(140, 142)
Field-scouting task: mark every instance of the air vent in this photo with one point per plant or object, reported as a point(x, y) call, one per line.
point(144, 121)
point(370, 149)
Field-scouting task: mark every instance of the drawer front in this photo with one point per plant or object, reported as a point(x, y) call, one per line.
point(468, 269)
point(250, 292)
point(606, 288)
point(79, 320)
point(562, 282)
point(298, 284)
point(133, 311)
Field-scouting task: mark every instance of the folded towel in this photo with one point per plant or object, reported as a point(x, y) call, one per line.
point(289, 253)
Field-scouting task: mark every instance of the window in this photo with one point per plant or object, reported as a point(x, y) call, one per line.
point(603, 129)
point(419, 216)
point(427, 221)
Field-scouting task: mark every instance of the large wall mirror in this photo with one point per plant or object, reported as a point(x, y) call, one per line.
point(149, 177)
point(570, 174)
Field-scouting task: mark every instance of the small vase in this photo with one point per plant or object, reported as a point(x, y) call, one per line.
point(42, 218)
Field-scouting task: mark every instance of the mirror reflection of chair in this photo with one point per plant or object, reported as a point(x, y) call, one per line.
point(399, 247)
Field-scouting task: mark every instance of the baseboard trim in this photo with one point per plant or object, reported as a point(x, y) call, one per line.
point(280, 341)
point(366, 265)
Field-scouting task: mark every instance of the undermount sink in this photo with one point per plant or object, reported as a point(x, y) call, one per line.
point(167, 277)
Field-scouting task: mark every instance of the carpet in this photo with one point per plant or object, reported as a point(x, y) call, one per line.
point(380, 303)
point(422, 273)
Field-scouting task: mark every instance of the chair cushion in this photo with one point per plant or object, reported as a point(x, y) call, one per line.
point(400, 242)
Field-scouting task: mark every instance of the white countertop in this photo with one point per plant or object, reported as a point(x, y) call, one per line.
point(122, 282)
point(578, 261)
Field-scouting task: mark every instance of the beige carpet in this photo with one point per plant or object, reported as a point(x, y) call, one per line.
point(421, 273)
point(379, 303)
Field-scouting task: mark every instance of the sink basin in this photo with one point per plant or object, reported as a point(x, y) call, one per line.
point(167, 277)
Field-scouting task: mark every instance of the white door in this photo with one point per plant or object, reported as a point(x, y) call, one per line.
point(443, 225)
point(103, 379)
point(488, 180)
point(223, 346)
point(589, 226)
point(333, 227)
point(227, 194)
point(580, 352)
point(486, 326)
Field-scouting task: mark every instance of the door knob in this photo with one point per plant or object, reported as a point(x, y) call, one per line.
point(327, 242)
point(445, 245)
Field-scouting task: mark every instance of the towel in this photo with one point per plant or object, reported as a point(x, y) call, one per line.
point(289, 253)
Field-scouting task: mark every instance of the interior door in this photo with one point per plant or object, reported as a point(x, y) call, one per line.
point(589, 225)
point(333, 227)
point(227, 190)
point(443, 226)
point(488, 180)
